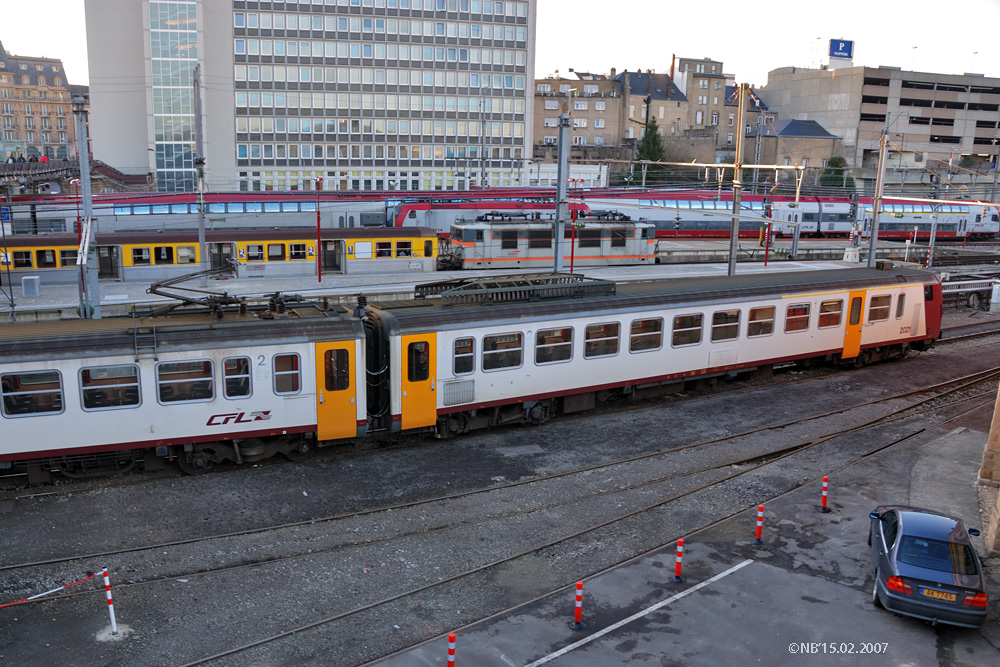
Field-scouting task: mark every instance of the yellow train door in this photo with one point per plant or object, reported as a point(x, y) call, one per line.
point(852, 332)
point(418, 382)
point(336, 395)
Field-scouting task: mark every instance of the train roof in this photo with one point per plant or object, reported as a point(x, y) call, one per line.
point(177, 332)
point(695, 292)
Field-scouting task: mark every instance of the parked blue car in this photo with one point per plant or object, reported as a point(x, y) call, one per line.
point(926, 566)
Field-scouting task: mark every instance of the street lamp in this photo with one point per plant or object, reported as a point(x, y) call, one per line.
point(319, 243)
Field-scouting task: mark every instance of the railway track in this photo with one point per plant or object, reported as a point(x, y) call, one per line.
point(568, 493)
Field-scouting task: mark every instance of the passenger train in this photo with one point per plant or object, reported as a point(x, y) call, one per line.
point(674, 212)
point(201, 388)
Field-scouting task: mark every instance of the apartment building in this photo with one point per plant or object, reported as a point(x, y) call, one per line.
point(931, 119)
point(36, 112)
point(301, 94)
point(594, 103)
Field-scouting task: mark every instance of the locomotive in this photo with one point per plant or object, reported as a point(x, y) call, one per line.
point(243, 384)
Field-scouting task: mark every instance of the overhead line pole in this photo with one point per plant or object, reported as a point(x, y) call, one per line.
point(734, 234)
point(877, 204)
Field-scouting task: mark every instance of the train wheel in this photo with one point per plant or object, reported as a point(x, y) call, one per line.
point(863, 359)
point(904, 351)
point(303, 451)
point(195, 462)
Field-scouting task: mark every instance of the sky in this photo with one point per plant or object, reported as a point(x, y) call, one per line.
point(595, 35)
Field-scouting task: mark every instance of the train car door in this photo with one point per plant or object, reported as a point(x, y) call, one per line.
point(333, 256)
point(855, 319)
point(220, 254)
point(336, 395)
point(108, 262)
point(418, 381)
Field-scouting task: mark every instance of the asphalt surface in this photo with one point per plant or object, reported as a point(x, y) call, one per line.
point(802, 597)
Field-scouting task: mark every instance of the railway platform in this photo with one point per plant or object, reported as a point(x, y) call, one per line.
point(682, 257)
point(801, 597)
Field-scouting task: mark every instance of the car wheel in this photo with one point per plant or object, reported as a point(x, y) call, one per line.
point(869, 537)
point(875, 600)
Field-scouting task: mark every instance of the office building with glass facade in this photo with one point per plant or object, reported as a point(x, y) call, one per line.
point(363, 94)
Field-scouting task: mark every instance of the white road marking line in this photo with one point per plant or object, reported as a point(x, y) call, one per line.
point(633, 617)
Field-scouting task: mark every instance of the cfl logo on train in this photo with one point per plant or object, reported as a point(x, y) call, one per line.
point(238, 418)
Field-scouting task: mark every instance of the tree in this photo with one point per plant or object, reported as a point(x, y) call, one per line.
point(833, 175)
point(651, 149)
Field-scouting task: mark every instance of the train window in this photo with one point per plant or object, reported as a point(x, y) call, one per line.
point(108, 387)
point(67, 257)
point(140, 210)
point(428, 249)
point(797, 317)
point(418, 361)
point(900, 306)
point(236, 372)
point(286, 374)
point(275, 252)
point(540, 238)
point(383, 248)
point(508, 240)
point(164, 254)
point(830, 313)
point(255, 252)
point(289, 206)
point(216, 207)
point(272, 207)
point(45, 259)
point(618, 238)
point(296, 250)
point(26, 394)
point(589, 238)
point(553, 345)
point(760, 321)
point(878, 309)
point(123, 210)
point(254, 207)
point(855, 311)
point(501, 351)
point(140, 256)
point(465, 356)
point(601, 340)
point(161, 209)
point(363, 250)
point(178, 208)
point(179, 381)
point(725, 325)
point(186, 254)
point(687, 330)
point(404, 249)
point(22, 259)
point(337, 370)
point(646, 335)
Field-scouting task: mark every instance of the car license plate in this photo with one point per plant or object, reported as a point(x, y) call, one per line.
point(938, 595)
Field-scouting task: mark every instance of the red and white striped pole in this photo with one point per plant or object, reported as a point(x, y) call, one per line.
point(826, 486)
point(677, 565)
point(111, 605)
point(451, 649)
point(760, 524)
point(577, 623)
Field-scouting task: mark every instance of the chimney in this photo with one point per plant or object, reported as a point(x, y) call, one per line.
point(649, 71)
point(614, 72)
point(673, 59)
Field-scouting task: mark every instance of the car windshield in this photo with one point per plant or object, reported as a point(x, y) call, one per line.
point(937, 555)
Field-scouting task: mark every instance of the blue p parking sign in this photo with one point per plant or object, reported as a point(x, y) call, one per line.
point(842, 48)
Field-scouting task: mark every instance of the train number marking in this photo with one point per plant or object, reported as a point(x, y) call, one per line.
point(238, 418)
point(260, 359)
point(904, 330)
